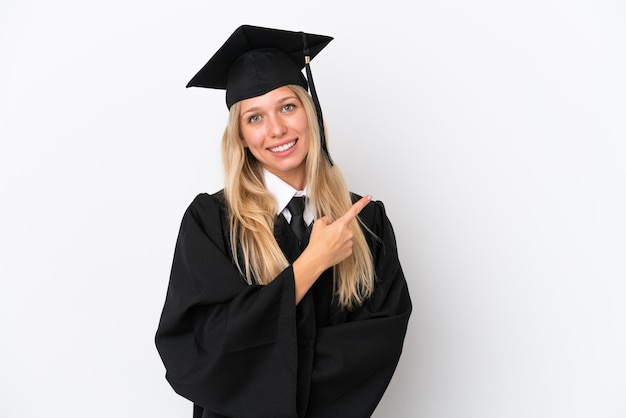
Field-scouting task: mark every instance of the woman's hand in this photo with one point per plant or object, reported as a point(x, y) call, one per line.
point(329, 244)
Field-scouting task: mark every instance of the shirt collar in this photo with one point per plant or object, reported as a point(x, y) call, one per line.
point(283, 193)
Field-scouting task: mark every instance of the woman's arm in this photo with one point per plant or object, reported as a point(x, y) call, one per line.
point(229, 347)
point(356, 356)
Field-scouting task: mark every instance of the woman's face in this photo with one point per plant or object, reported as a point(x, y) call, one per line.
point(274, 127)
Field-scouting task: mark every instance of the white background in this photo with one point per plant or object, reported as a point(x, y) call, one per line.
point(501, 123)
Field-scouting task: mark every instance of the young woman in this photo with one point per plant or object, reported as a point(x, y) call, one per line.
point(275, 311)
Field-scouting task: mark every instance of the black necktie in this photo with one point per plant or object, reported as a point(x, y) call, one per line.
point(296, 208)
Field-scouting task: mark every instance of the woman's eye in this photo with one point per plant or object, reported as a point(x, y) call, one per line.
point(254, 119)
point(288, 107)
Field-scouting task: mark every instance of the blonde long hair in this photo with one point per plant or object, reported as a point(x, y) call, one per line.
point(252, 211)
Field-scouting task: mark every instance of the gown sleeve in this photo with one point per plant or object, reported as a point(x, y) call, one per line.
point(229, 347)
point(356, 356)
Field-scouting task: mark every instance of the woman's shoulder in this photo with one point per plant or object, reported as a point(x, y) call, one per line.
point(207, 210)
point(208, 201)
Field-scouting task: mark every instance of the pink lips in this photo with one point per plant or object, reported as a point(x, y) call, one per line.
point(284, 147)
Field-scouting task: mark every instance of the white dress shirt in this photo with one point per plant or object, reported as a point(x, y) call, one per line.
point(283, 193)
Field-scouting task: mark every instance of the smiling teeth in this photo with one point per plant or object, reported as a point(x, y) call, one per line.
point(283, 147)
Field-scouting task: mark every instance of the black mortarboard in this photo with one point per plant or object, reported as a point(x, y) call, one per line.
point(255, 60)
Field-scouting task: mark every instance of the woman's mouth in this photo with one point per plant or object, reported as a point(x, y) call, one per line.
point(284, 147)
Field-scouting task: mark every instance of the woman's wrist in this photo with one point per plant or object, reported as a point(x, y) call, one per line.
point(306, 270)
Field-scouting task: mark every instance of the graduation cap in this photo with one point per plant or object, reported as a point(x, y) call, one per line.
point(255, 60)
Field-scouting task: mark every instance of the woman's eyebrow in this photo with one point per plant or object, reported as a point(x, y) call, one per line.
point(279, 101)
point(250, 110)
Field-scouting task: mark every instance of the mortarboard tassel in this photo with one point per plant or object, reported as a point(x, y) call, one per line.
point(316, 102)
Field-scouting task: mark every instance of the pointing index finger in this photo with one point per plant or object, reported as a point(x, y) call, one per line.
point(356, 208)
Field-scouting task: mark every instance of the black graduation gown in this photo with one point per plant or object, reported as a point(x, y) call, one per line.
point(247, 351)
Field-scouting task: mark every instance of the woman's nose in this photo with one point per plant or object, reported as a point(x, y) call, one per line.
point(276, 127)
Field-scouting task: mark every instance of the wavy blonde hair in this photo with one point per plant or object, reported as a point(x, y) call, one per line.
point(252, 211)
